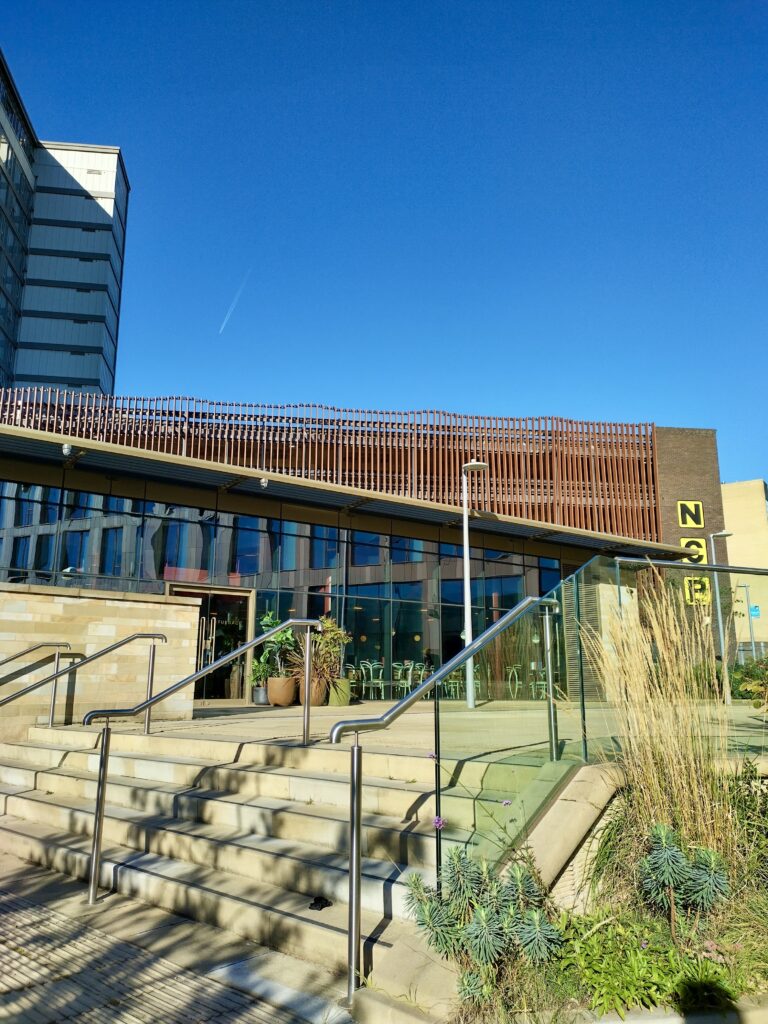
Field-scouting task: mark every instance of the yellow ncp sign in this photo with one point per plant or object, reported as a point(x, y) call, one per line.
point(697, 590)
point(697, 546)
point(690, 514)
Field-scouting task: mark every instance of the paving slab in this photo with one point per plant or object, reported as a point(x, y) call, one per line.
point(127, 962)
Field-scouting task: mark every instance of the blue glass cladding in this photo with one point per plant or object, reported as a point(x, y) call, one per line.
point(400, 597)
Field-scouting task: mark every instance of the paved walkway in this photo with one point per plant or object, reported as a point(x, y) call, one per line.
point(494, 726)
point(53, 969)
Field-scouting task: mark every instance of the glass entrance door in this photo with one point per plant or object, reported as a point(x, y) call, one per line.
point(223, 627)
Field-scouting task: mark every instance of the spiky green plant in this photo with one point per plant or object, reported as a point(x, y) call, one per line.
point(483, 922)
point(485, 937)
point(522, 888)
point(664, 870)
point(706, 883)
point(462, 883)
point(440, 927)
point(539, 939)
point(470, 987)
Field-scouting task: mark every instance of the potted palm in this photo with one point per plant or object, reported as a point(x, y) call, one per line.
point(281, 683)
point(327, 679)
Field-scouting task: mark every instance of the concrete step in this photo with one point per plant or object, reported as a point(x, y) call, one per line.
point(296, 867)
point(37, 755)
point(387, 837)
point(320, 756)
point(7, 790)
point(181, 770)
point(407, 801)
point(380, 796)
point(18, 773)
point(262, 913)
point(382, 836)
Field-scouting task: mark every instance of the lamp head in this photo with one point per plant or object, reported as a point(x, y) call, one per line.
point(474, 466)
point(722, 533)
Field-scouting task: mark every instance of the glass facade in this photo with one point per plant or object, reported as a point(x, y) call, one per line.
point(16, 194)
point(400, 597)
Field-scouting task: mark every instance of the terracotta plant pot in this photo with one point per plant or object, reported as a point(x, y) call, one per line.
point(316, 693)
point(281, 691)
point(340, 693)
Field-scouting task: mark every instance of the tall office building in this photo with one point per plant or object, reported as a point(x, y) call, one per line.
point(63, 209)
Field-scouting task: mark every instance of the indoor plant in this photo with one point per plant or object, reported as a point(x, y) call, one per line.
point(281, 683)
point(259, 676)
point(327, 657)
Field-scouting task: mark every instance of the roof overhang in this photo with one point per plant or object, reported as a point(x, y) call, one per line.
point(43, 447)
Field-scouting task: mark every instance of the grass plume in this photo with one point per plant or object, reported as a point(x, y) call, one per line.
point(657, 662)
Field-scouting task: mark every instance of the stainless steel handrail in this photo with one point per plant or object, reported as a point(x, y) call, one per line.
point(149, 703)
point(35, 647)
point(358, 725)
point(80, 664)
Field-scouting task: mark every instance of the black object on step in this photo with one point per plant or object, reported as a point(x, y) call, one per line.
point(320, 903)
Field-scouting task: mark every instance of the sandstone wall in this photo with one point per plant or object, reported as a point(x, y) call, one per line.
point(90, 620)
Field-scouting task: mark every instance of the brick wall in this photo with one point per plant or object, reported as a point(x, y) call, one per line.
point(90, 620)
point(688, 471)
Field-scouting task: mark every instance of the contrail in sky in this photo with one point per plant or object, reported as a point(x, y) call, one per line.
point(235, 301)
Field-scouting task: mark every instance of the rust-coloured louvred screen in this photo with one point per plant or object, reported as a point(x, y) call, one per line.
point(596, 476)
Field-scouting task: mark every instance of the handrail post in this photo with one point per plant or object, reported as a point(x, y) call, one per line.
point(98, 814)
point(355, 824)
point(150, 683)
point(51, 713)
point(307, 683)
point(554, 742)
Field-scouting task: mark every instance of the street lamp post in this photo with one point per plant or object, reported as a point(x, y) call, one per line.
point(469, 467)
point(749, 620)
point(719, 610)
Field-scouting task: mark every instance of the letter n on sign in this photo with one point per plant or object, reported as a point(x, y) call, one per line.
point(691, 514)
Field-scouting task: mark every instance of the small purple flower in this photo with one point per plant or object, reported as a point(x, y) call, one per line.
point(644, 944)
point(432, 755)
point(439, 824)
point(506, 803)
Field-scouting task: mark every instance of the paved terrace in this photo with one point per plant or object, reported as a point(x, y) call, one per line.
point(125, 962)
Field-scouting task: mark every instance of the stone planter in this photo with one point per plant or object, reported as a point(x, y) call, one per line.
point(340, 693)
point(281, 691)
point(317, 692)
point(259, 695)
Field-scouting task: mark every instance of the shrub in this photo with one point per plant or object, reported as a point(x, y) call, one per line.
point(484, 922)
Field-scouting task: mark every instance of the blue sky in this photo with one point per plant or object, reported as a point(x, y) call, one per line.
point(512, 208)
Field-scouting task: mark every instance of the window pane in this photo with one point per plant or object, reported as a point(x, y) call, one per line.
point(78, 505)
point(408, 591)
point(20, 553)
point(504, 591)
point(112, 552)
point(365, 554)
point(324, 547)
point(24, 512)
point(244, 556)
point(74, 551)
point(44, 552)
point(406, 549)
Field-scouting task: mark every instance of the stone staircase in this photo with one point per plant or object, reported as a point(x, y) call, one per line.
point(244, 836)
